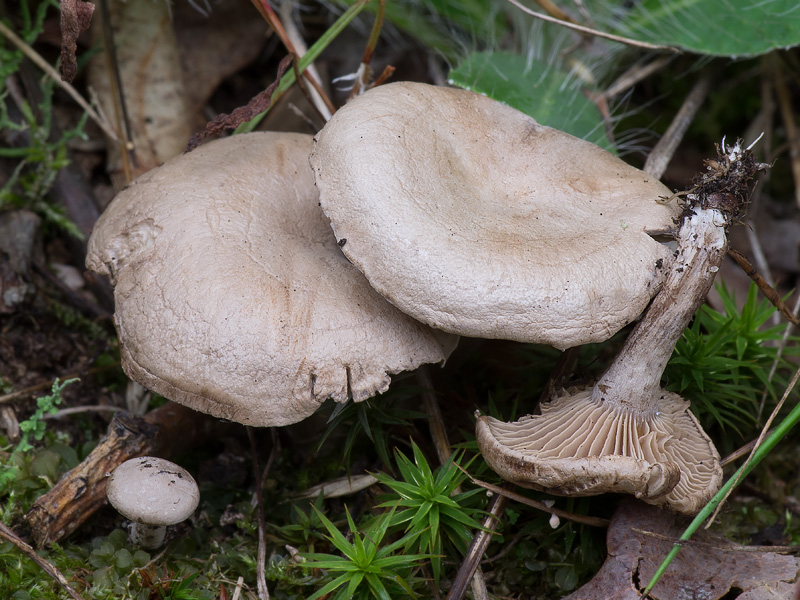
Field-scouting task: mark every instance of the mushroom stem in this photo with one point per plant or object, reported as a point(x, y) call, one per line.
point(633, 380)
point(147, 536)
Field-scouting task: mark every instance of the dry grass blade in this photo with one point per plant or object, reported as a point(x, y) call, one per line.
point(261, 580)
point(470, 564)
point(316, 96)
point(8, 535)
point(740, 452)
point(761, 437)
point(659, 158)
point(781, 347)
point(731, 547)
point(40, 62)
point(586, 520)
point(792, 131)
point(589, 31)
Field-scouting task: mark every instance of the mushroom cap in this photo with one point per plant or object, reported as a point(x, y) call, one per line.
point(471, 217)
point(580, 447)
point(232, 295)
point(153, 491)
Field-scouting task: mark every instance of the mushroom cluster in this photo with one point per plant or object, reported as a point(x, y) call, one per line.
point(233, 296)
point(475, 219)
point(237, 296)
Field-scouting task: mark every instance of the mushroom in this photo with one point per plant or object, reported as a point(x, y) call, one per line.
point(233, 296)
point(153, 493)
point(626, 434)
point(471, 217)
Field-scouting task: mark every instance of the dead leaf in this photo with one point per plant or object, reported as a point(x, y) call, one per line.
point(151, 74)
point(711, 567)
point(76, 16)
point(214, 47)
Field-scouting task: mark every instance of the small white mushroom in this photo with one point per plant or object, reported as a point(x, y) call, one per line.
point(153, 493)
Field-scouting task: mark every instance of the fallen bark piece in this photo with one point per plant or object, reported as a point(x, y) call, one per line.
point(82, 491)
point(709, 567)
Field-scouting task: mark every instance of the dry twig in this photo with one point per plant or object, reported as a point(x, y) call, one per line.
point(586, 520)
point(763, 285)
point(261, 579)
point(477, 549)
point(660, 156)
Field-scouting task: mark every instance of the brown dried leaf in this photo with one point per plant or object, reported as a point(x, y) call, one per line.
point(214, 47)
point(710, 567)
point(76, 16)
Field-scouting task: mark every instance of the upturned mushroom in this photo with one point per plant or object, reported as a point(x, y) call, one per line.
point(626, 434)
point(232, 294)
point(471, 217)
point(153, 493)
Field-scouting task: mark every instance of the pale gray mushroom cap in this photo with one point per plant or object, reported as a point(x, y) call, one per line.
point(152, 491)
point(232, 295)
point(473, 218)
point(579, 446)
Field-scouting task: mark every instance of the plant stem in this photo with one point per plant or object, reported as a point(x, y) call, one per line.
point(37, 59)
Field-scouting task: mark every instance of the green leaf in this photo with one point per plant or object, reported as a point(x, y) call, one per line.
point(327, 589)
point(552, 97)
point(735, 28)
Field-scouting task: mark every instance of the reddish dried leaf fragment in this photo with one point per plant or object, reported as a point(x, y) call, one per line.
point(258, 104)
point(76, 16)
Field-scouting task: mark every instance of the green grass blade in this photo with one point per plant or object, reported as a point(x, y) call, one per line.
point(769, 443)
point(313, 53)
point(330, 587)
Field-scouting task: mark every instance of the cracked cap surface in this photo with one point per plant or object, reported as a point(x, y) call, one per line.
point(232, 295)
